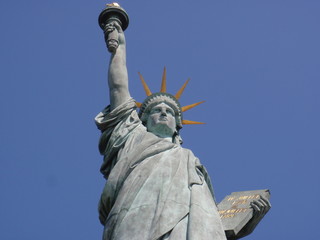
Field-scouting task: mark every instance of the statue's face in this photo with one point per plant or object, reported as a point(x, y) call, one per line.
point(162, 121)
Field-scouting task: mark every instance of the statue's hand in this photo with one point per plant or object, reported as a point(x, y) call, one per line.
point(114, 36)
point(260, 208)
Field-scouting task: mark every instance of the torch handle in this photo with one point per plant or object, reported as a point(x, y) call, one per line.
point(112, 40)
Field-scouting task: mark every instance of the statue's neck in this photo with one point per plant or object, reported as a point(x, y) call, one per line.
point(169, 139)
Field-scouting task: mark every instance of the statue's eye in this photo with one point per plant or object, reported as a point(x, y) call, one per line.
point(169, 112)
point(156, 110)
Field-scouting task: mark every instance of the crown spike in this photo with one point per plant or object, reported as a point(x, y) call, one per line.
point(186, 122)
point(179, 93)
point(164, 81)
point(145, 86)
point(186, 108)
point(138, 104)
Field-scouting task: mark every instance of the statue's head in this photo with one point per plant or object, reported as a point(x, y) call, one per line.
point(161, 112)
point(162, 121)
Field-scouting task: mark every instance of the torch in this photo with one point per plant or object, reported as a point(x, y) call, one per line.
point(113, 12)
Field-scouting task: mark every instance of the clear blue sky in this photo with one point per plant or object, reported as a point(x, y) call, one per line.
point(256, 63)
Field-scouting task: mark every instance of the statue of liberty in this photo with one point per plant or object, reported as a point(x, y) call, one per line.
point(155, 189)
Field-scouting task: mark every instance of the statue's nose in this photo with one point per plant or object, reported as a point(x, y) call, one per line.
point(163, 112)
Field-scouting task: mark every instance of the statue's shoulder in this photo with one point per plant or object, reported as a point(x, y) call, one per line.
point(186, 151)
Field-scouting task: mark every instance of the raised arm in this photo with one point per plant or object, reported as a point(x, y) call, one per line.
point(118, 74)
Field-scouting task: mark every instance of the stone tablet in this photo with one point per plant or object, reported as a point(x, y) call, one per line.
point(235, 210)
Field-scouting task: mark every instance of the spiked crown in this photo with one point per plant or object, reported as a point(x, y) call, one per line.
point(154, 99)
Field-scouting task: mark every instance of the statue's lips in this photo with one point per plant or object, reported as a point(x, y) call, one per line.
point(163, 119)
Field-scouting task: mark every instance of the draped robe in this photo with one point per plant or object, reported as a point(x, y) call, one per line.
point(155, 189)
